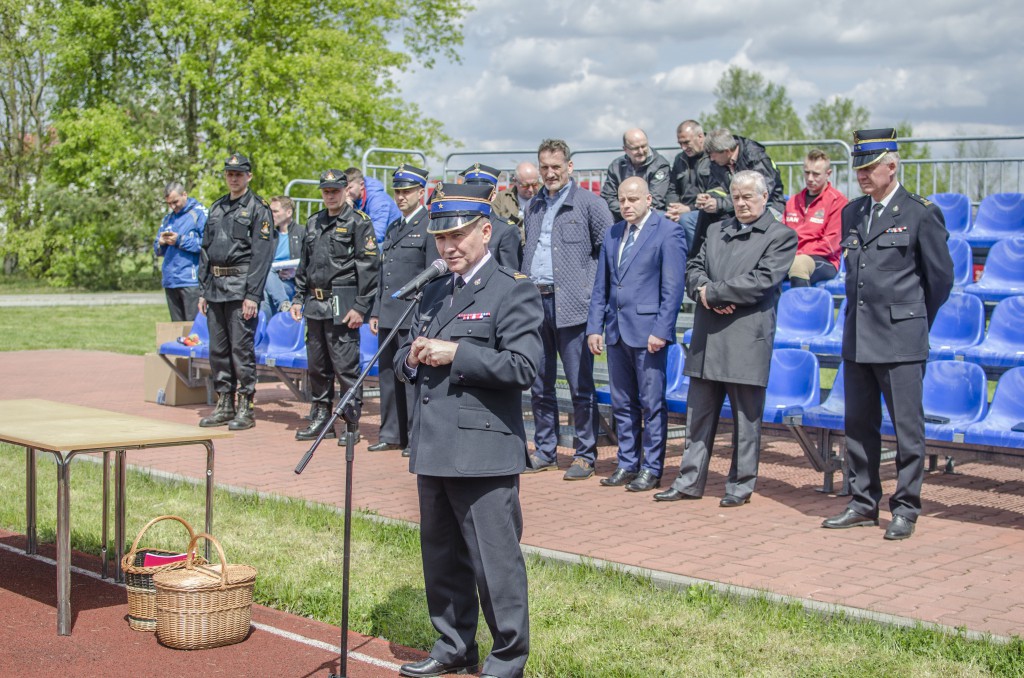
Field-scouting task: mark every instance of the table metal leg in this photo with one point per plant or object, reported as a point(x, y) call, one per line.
point(63, 544)
point(208, 444)
point(106, 513)
point(31, 543)
point(119, 511)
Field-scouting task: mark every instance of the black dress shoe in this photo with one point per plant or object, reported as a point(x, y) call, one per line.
point(432, 667)
point(644, 482)
point(620, 477)
point(848, 518)
point(732, 501)
point(672, 494)
point(899, 528)
point(381, 447)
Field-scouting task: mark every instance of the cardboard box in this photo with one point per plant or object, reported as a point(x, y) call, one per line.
point(171, 331)
point(161, 385)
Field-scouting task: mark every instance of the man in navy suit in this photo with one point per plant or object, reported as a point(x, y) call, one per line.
point(637, 293)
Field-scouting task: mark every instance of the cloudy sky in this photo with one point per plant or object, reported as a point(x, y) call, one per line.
point(587, 70)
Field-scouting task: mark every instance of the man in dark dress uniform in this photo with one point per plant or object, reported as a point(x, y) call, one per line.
point(404, 253)
point(898, 274)
point(474, 347)
point(334, 289)
point(506, 244)
point(238, 248)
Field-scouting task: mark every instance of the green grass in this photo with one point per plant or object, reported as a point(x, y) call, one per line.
point(121, 329)
point(585, 621)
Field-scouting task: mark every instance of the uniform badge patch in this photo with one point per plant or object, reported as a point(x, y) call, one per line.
point(474, 316)
point(659, 175)
point(265, 228)
point(371, 243)
point(896, 229)
point(520, 276)
point(341, 229)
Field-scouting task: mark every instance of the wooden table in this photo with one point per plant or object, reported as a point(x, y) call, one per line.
point(66, 431)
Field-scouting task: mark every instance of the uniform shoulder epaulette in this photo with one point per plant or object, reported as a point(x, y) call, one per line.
point(923, 201)
point(512, 273)
point(363, 214)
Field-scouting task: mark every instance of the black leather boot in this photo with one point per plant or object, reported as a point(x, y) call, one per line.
point(318, 418)
point(223, 413)
point(243, 415)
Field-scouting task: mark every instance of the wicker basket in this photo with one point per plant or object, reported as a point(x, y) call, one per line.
point(139, 579)
point(206, 605)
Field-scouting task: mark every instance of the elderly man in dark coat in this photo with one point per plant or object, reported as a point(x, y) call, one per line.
point(735, 277)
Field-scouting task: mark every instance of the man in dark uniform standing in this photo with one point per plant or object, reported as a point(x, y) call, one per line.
point(898, 274)
point(474, 347)
point(334, 289)
point(403, 255)
point(506, 243)
point(238, 248)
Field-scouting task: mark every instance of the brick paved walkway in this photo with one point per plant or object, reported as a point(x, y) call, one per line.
point(962, 567)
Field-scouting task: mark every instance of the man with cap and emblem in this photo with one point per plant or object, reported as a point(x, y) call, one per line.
point(506, 244)
point(403, 255)
point(238, 248)
point(474, 347)
point(334, 288)
point(640, 160)
point(898, 274)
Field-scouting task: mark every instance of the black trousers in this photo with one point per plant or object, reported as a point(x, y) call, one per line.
point(232, 354)
point(469, 537)
point(902, 386)
point(396, 397)
point(182, 302)
point(332, 350)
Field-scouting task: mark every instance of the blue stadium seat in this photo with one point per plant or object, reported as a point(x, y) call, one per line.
point(367, 347)
point(831, 344)
point(284, 335)
point(1000, 215)
point(1004, 271)
point(1007, 411)
point(1003, 346)
point(260, 339)
point(678, 385)
point(954, 391)
point(804, 313)
point(837, 285)
point(687, 336)
point(199, 328)
point(831, 414)
point(959, 323)
point(956, 208)
point(793, 384)
point(963, 263)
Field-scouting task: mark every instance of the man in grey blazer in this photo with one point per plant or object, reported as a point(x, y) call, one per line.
point(735, 278)
point(473, 348)
point(899, 273)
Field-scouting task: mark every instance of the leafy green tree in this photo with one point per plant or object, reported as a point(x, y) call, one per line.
point(753, 107)
point(836, 118)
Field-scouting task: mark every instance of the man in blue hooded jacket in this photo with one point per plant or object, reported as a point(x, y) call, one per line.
point(178, 242)
point(369, 196)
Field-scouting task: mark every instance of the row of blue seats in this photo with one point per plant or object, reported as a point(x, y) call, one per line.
point(955, 398)
point(806, 320)
point(1000, 216)
point(1003, 275)
point(280, 342)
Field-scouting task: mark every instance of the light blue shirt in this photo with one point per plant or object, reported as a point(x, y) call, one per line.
point(284, 252)
point(543, 271)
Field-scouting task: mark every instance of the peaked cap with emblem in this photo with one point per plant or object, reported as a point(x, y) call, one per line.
point(869, 145)
point(333, 178)
point(407, 176)
point(480, 174)
point(237, 163)
point(454, 206)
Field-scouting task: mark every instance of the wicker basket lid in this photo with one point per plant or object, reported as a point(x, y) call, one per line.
point(204, 577)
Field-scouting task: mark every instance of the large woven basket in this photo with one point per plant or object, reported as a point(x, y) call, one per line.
point(202, 606)
point(139, 579)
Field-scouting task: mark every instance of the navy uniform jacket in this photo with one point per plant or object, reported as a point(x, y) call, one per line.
point(469, 417)
point(641, 295)
point(338, 251)
point(239, 235)
point(505, 245)
point(407, 250)
point(741, 264)
point(896, 278)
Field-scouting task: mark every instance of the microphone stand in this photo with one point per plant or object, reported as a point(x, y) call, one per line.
point(350, 413)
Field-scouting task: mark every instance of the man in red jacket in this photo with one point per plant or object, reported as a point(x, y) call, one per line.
point(814, 213)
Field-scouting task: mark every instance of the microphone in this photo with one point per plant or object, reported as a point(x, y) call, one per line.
point(435, 270)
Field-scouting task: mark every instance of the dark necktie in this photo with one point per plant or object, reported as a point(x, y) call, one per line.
point(460, 282)
point(871, 217)
point(630, 240)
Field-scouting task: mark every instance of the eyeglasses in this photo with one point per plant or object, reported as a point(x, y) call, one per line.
point(641, 147)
